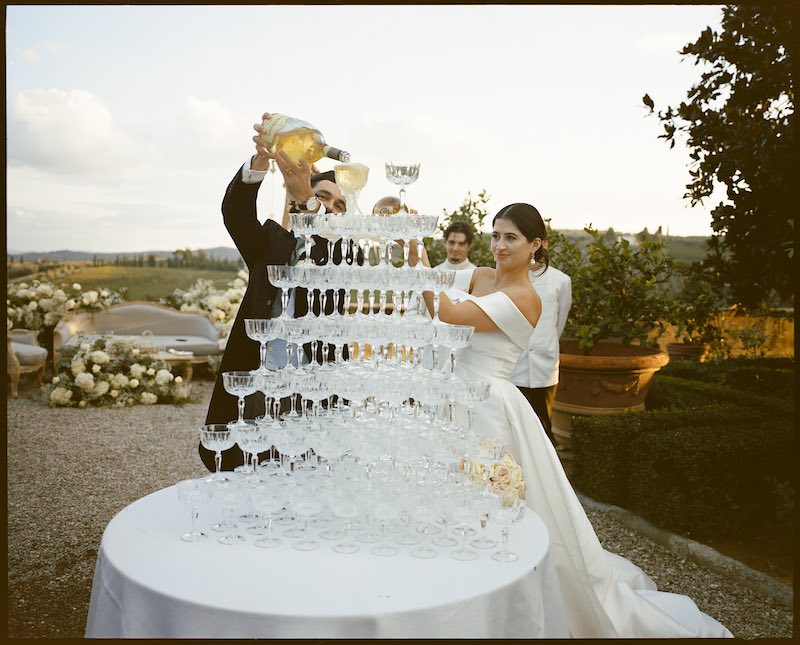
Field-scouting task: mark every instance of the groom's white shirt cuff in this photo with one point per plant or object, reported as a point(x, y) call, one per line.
point(252, 176)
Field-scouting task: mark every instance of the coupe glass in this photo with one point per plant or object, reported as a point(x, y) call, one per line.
point(507, 515)
point(269, 502)
point(487, 503)
point(385, 511)
point(263, 331)
point(194, 493)
point(217, 437)
point(402, 175)
point(464, 515)
point(228, 493)
point(240, 384)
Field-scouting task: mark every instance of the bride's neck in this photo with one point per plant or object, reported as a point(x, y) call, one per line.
point(506, 278)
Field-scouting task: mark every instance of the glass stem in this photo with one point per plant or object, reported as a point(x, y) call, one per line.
point(195, 513)
point(263, 354)
point(241, 410)
point(218, 462)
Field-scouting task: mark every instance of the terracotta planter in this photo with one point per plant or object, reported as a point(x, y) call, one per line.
point(614, 379)
point(686, 351)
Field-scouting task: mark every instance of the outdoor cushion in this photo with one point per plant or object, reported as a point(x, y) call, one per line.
point(198, 345)
point(29, 354)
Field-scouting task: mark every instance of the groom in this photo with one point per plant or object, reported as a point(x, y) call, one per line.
point(261, 245)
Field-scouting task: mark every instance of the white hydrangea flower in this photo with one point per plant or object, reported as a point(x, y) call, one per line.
point(90, 297)
point(76, 286)
point(85, 347)
point(148, 398)
point(120, 380)
point(178, 380)
point(77, 366)
point(85, 381)
point(60, 396)
point(150, 371)
point(137, 370)
point(56, 380)
point(134, 383)
point(100, 388)
point(96, 368)
point(100, 357)
point(114, 394)
point(163, 377)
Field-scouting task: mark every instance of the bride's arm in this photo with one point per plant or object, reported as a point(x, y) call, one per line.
point(463, 313)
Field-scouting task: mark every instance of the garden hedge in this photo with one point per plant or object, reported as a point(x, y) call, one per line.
point(704, 459)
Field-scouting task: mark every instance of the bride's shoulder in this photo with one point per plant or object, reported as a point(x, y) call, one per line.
point(526, 300)
point(479, 275)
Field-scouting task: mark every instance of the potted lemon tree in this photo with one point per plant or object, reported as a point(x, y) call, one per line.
point(620, 300)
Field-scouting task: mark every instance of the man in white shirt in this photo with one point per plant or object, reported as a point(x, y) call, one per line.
point(458, 241)
point(536, 373)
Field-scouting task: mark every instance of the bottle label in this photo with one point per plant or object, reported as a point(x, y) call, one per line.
point(273, 126)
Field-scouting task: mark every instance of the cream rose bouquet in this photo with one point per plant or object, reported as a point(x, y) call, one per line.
point(113, 374)
point(503, 476)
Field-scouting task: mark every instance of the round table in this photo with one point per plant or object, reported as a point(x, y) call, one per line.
point(148, 583)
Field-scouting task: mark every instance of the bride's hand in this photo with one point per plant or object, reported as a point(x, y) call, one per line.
point(413, 253)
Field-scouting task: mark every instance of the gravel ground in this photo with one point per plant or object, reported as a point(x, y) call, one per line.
point(70, 471)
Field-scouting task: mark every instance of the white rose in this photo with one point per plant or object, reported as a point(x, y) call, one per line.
point(85, 381)
point(134, 383)
point(85, 347)
point(105, 293)
point(56, 379)
point(163, 377)
point(32, 305)
point(178, 380)
point(70, 304)
point(114, 394)
point(150, 371)
point(76, 286)
point(148, 398)
point(96, 368)
point(82, 404)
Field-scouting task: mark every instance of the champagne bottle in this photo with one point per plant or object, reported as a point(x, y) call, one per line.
point(298, 139)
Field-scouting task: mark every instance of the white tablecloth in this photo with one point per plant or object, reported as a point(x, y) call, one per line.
point(149, 583)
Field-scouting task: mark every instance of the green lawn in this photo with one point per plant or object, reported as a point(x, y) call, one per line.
point(146, 283)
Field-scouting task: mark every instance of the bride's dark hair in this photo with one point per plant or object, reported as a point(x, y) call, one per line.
point(530, 223)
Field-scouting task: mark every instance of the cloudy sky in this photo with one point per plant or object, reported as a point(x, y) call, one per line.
point(126, 123)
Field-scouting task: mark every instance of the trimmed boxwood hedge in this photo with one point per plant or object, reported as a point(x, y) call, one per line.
point(704, 459)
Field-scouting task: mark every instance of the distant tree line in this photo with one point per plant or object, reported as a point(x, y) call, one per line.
point(181, 259)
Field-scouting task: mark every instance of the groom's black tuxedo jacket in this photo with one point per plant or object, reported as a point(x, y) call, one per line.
point(260, 245)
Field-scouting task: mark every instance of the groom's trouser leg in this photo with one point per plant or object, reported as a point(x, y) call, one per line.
point(541, 400)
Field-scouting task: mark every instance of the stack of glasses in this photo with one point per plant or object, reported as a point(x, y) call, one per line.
point(369, 452)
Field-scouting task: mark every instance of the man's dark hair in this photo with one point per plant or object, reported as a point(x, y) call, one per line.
point(322, 176)
point(460, 227)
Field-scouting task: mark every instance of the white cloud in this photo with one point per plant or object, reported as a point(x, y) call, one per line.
point(69, 132)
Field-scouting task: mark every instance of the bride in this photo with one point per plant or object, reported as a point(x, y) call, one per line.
point(606, 596)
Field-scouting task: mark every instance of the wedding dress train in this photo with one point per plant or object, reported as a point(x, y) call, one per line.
point(605, 595)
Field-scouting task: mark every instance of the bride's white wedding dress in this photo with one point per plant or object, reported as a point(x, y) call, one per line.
point(605, 595)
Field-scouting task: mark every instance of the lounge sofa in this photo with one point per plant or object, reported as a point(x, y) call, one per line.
point(24, 356)
point(183, 331)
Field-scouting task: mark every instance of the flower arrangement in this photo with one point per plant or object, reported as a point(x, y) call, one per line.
point(113, 374)
point(503, 476)
point(42, 304)
point(220, 305)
